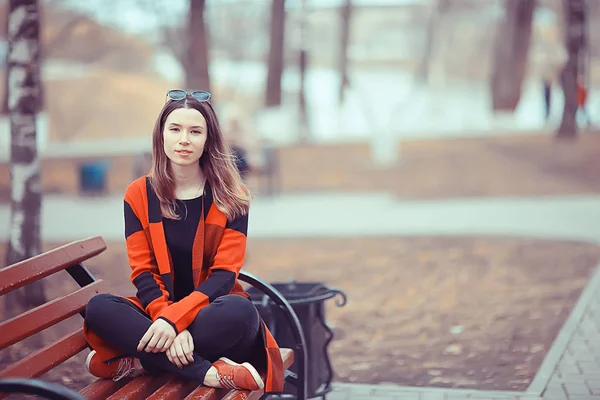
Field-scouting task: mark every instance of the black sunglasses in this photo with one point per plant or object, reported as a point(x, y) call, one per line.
point(178, 94)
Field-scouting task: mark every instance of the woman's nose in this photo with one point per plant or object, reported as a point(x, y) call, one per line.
point(184, 137)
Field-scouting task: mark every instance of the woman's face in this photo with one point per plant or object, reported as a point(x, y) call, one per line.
point(184, 135)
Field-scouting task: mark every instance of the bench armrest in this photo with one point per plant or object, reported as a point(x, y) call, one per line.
point(300, 352)
point(38, 387)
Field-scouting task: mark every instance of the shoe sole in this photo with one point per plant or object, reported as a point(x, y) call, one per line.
point(257, 379)
point(88, 360)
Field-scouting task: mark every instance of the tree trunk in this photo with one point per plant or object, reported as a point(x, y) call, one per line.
point(346, 12)
point(4, 106)
point(576, 43)
point(511, 50)
point(276, 54)
point(303, 66)
point(24, 99)
point(196, 69)
point(432, 31)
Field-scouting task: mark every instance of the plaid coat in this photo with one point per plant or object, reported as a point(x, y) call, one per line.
point(219, 244)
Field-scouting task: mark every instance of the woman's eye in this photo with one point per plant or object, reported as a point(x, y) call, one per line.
point(174, 129)
point(196, 132)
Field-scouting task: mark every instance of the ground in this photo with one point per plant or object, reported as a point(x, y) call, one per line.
point(434, 169)
point(432, 311)
point(454, 311)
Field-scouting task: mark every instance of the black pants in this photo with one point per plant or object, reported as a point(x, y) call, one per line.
point(228, 327)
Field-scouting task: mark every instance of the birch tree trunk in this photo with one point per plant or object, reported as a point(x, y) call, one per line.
point(276, 54)
point(197, 75)
point(4, 105)
point(23, 65)
point(576, 43)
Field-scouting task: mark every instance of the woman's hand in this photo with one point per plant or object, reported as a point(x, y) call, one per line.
point(158, 337)
point(181, 351)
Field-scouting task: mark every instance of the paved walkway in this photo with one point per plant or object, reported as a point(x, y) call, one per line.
point(327, 215)
point(571, 369)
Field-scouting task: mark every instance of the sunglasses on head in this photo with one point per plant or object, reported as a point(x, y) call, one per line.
point(178, 94)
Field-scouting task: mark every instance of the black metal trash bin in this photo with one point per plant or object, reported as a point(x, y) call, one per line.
point(307, 300)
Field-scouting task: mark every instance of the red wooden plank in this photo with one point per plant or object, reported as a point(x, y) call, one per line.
point(38, 267)
point(100, 389)
point(40, 318)
point(43, 360)
point(174, 389)
point(140, 388)
point(207, 393)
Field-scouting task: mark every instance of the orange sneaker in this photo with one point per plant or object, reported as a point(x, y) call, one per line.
point(232, 375)
point(115, 370)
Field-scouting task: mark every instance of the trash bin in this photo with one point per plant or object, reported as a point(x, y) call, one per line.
point(307, 300)
point(92, 177)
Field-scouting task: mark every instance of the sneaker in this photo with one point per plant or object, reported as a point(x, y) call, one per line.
point(115, 370)
point(232, 375)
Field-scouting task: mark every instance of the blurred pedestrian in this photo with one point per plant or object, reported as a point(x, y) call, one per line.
point(582, 95)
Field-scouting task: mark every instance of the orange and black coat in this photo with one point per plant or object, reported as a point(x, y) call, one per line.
point(219, 246)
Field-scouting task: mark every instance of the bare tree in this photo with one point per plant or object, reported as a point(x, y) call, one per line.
point(196, 65)
point(422, 73)
point(4, 106)
point(275, 62)
point(576, 42)
point(346, 13)
point(303, 66)
point(23, 64)
point(188, 42)
point(438, 9)
point(512, 41)
point(59, 37)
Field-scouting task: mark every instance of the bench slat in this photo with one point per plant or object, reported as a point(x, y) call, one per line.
point(244, 395)
point(43, 360)
point(140, 387)
point(287, 356)
point(173, 389)
point(40, 318)
point(42, 265)
point(100, 389)
point(207, 393)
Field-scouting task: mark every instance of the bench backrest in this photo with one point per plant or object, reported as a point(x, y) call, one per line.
point(68, 257)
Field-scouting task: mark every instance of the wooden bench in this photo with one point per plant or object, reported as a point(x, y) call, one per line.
point(19, 377)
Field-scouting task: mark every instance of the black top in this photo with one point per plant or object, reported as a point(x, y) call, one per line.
point(180, 235)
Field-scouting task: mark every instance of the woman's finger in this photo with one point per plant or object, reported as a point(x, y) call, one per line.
point(160, 343)
point(143, 344)
point(188, 351)
point(151, 346)
point(170, 356)
point(180, 354)
point(165, 343)
point(190, 341)
point(168, 343)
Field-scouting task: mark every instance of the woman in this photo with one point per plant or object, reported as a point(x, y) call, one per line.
point(185, 229)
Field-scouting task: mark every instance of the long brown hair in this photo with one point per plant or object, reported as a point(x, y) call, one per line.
point(230, 194)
